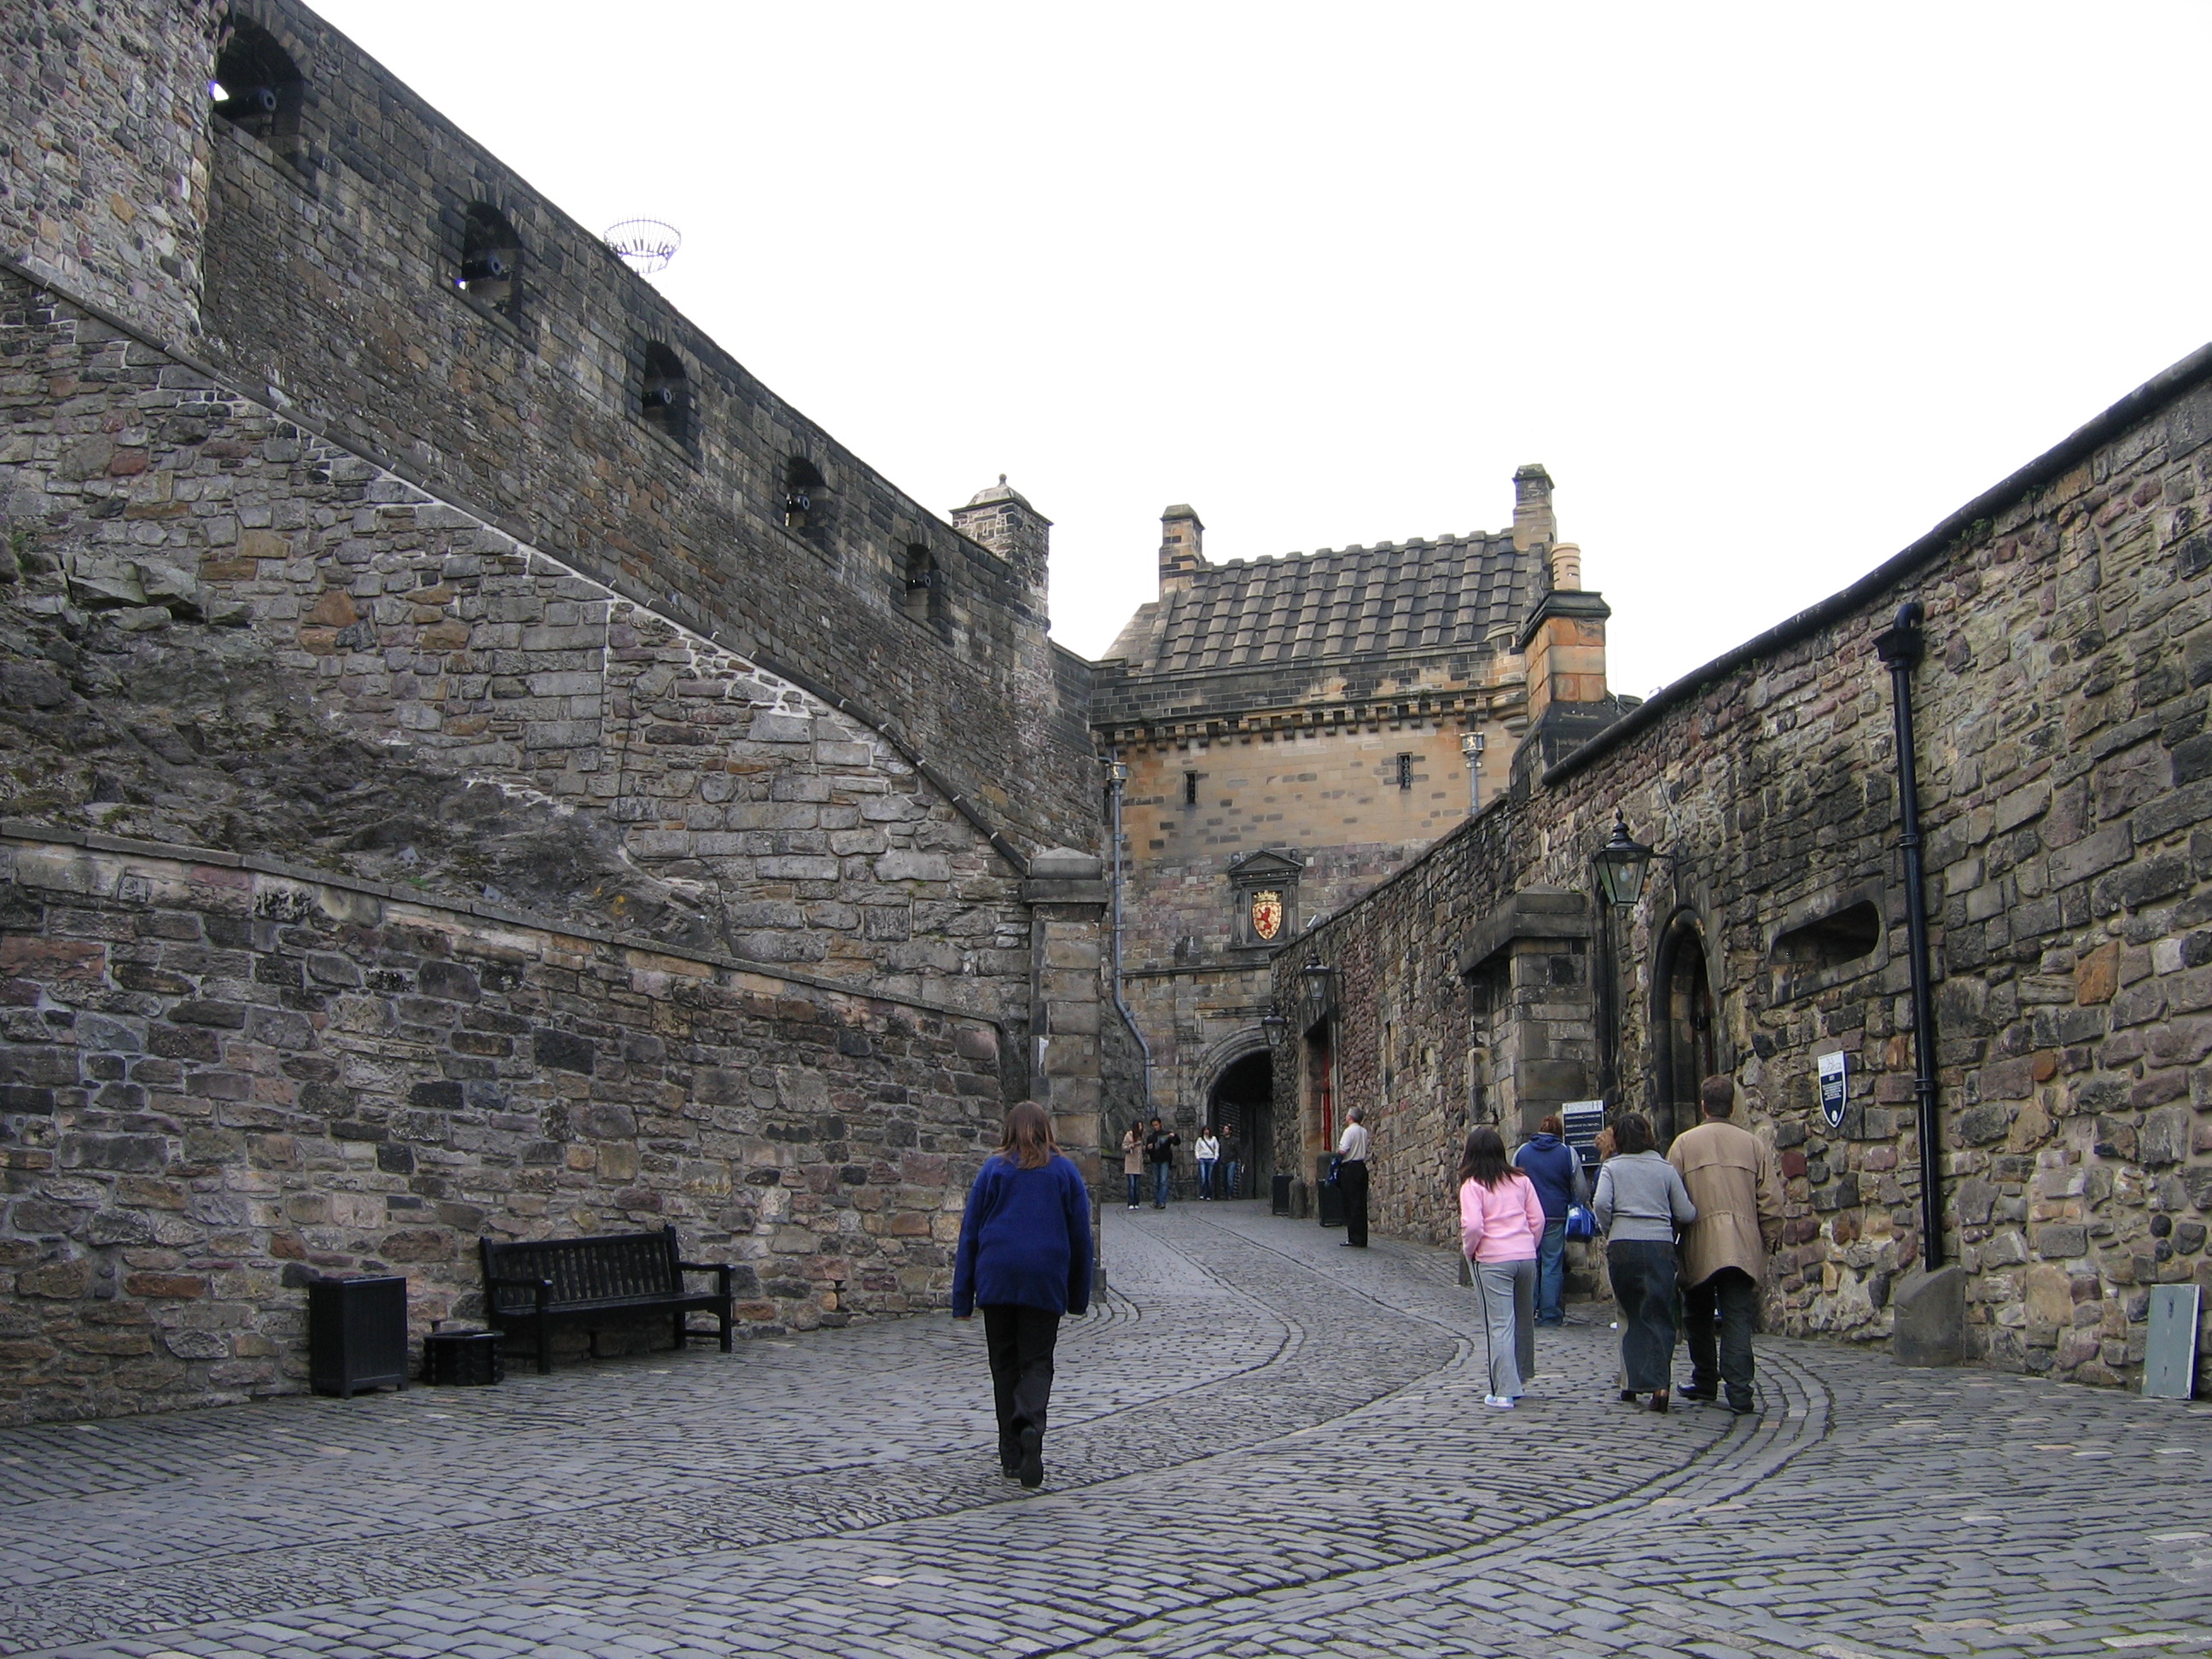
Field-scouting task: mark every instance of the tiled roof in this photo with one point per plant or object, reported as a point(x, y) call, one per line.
point(1349, 601)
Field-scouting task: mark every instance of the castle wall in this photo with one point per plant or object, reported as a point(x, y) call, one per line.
point(2062, 721)
point(223, 1079)
point(331, 282)
point(230, 644)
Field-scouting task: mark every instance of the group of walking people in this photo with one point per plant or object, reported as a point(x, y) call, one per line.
point(1689, 1230)
point(1695, 1227)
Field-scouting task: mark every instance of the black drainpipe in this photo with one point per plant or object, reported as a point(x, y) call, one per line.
point(1901, 648)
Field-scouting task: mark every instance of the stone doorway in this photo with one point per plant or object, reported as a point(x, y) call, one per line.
point(1244, 1095)
point(1688, 1052)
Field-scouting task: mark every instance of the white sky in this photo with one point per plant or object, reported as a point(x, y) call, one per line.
point(1769, 288)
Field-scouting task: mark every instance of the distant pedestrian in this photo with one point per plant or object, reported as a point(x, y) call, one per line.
point(1159, 1148)
point(1640, 1202)
point(1351, 1178)
point(1730, 1176)
point(1557, 1169)
point(1208, 1152)
point(1024, 1258)
point(1501, 1221)
point(1132, 1159)
point(1232, 1162)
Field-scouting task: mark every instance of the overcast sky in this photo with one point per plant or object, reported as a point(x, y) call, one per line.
point(1769, 290)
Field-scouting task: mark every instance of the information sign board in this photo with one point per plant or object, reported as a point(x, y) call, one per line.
point(1583, 1119)
point(1834, 1087)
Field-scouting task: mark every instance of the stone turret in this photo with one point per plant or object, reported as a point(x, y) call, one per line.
point(1001, 518)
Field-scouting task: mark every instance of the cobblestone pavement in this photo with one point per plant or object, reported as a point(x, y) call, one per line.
point(1262, 1444)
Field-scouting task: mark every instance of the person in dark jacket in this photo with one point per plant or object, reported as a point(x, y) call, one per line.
point(1159, 1147)
point(1024, 1258)
point(1557, 1171)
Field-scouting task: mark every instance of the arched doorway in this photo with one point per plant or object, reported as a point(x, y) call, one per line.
point(1244, 1096)
point(1687, 1041)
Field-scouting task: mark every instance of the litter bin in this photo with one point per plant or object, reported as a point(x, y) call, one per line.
point(356, 1334)
point(1328, 1197)
point(464, 1359)
point(1279, 1195)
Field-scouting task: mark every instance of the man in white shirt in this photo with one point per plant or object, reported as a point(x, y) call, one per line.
point(1351, 1179)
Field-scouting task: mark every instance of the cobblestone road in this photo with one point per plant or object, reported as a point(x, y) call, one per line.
point(1262, 1445)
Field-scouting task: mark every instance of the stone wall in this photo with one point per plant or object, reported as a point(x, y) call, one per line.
point(331, 283)
point(2066, 797)
point(329, 663)
point(104, 151)
point(224, 1077)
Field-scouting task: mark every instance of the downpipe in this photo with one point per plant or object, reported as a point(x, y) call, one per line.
point(1901, 648)
point(1117, 773)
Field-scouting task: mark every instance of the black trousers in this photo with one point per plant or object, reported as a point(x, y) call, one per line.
point(1019, 1343)
point(1642, 1272)
point(1351, 1181)
point(1725, 1305)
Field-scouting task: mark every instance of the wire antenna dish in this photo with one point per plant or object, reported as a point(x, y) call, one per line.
point(646, 246)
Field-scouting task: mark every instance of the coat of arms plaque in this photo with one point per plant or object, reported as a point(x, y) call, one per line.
point(1267, 914)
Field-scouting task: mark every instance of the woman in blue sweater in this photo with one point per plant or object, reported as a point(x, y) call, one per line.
point(1025, 1260)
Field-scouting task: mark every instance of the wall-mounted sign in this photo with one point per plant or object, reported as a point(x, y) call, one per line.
point(1834, 1088)
point(1583, 1120)
point(1267, 914)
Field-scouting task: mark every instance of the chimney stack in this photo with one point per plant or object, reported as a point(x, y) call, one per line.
point(1182, 549)
point(1533, 524)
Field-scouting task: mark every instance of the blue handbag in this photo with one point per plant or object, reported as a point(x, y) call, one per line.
point(1582, 1221)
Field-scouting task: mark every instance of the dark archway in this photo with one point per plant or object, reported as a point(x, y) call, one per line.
point(1684, 1031)
point(1244, 1096)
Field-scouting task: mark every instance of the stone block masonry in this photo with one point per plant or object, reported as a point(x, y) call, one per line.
point(217, 1082)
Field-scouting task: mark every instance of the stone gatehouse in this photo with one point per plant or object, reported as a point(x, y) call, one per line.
point(1293, 731)
point(2065, 779)
point(476, 761)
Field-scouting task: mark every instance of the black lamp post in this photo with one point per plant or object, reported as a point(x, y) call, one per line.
point(1621, 865)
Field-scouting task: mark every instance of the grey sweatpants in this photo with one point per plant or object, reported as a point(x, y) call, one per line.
point(1507, 1293)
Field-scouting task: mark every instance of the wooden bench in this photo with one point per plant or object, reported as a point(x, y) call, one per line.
point(531, 1286)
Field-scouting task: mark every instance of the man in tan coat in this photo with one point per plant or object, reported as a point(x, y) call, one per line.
point(1733, 1180)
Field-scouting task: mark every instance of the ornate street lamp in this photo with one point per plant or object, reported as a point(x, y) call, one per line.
point(1622, 864)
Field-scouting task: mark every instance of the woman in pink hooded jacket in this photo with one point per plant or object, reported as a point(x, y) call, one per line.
point(1501, 1222)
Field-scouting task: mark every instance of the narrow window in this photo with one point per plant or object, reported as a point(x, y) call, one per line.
point(665, 399)
point(1405, 771)
point(804, 487)
point(922, 596)
point(1832, 941)
point(1190, 789)
point(258, 88)
point(491, 260)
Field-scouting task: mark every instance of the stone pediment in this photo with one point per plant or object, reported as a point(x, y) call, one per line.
point(1269, 864)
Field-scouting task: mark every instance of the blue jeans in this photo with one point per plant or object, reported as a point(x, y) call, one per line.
point(1205, 1177)
point(1230, 1171)
point(1551, 1274)
point(1136, 1186)
point(1160, 1174)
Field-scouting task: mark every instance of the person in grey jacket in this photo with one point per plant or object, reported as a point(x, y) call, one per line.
point(1641, 1203)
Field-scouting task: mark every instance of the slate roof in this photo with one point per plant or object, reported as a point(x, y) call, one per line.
point(1424, 595)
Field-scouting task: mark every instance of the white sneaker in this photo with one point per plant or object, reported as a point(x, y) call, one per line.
point(1499, 1400)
